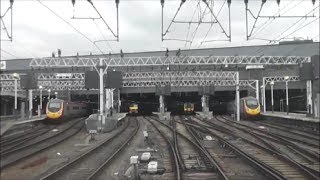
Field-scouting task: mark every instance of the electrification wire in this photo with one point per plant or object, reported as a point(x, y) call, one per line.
point(270, 20)
point(275, 39)
point(212, 23)
point(9, 53)
point(104, 38)
point(295, 23)
point(71, 26)
point(195, 32)
point(299, 29)
point(194, 12)
point(315, 37)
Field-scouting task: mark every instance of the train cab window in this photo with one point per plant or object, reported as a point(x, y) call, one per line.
point(252, 102)
point(54, 106)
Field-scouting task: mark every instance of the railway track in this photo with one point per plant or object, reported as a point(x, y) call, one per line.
point(92, 162)
point(289, 130)
point(17, 141)
point(273, 163)
point(205, 157)
point(31, 147)
point(312, 150)
point(173, 152)
point(284, 134)
point(308, 159)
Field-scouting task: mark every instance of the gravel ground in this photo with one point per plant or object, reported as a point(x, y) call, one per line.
point(35, 166)
point(121, 168)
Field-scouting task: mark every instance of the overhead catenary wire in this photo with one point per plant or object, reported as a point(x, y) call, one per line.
point(9, 53)
point(104, 21)
point(294, 24)
point(104, 38)
point(212, 24)
point(270, 20)
point(275, 40)
point(194, 12)
point(299, 29)
point(71, 26)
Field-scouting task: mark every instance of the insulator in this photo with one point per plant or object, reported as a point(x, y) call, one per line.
point(11, 2)
point(162, 1)
point(229, 1)
point(59, 52)
point(264, 1)
point(89, 1)
point(246, 1)
point(204, 1)
point(117, 1)
point(183, 1)
point(73, 2)
point(121, 53)
point(278, 2)
point(313, 2)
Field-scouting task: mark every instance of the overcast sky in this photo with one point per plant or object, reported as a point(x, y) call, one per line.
point(37, 32)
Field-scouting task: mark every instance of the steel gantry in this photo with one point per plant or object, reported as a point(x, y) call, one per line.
point(75, 81)
point(163, 60)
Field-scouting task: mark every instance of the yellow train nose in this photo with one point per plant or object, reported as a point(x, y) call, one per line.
point(253, 111)
point(52, 115)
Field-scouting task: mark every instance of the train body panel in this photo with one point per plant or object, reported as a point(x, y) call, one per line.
point(249, 108)
point(59, 110)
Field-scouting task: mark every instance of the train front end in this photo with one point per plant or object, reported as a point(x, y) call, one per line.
point(133, 109)
point(188, 108)
point(251, 108)
point(54, 110)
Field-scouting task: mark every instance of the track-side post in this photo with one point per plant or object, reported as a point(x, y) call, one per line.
point(30, 103)
point(161, 104)
point(309, 94)
point(309, 97)
point(237, 96)
point(203, 99)
point(119, 101)
point(272, 101)
point(101, 73)
point(264, 95)
point(257, 90)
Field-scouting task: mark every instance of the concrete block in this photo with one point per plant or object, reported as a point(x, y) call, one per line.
point(134, 159)
point(152, 167)
point(145, 156)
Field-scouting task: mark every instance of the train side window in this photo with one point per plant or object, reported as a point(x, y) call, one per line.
point(68, 108)
point(75, 107)
point(84, 107)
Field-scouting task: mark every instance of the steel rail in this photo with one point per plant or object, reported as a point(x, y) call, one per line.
point(114, 155)
point(195, 145)
point(56, 173)
point(172, 148)
point(207, 154)
point(273, 150)
point(22, 152)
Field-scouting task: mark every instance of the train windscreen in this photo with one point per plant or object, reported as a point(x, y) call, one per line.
point(54, 106)
point(252, 103)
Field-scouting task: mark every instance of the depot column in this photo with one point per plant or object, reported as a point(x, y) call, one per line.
point(204, 103)
point(237, 96)
point(101, 115)
point(161, 104)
